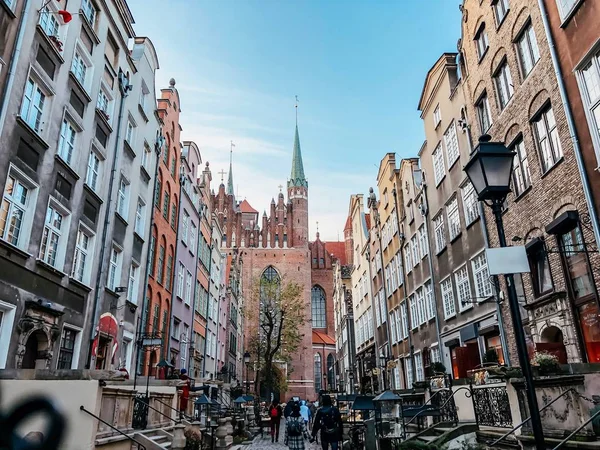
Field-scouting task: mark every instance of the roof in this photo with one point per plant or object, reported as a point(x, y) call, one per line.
point(348, 225)
point(322, 338)
point(337, 249)
point(368, 220)
point(297, 177)
point(246, 208)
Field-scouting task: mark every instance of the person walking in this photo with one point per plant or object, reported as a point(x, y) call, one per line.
point(305, 412)
point(295, 429)
point(329, 420)
point(275, 413)
point(313, 411)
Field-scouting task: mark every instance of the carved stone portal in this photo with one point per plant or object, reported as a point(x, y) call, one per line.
point(38, 330)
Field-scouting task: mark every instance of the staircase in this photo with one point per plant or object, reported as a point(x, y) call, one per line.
point(442, 433)
point(155, 439)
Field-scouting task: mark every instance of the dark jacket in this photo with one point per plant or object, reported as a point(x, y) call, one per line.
point(277, 417)
point(320, 425)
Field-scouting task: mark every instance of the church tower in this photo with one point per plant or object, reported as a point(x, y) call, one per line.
point(298, 196)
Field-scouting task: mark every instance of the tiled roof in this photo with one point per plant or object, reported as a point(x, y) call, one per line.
point(338, 249)
point(322, 338)
point(246, 208)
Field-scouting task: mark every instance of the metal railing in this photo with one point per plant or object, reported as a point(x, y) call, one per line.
point(406, 424)
point(508, 433)
point(181, 414)
point(139, 444)
point(177, 421)
point(565, 440)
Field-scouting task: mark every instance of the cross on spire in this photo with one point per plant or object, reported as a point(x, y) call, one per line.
point(222, 173)
point(280, 187)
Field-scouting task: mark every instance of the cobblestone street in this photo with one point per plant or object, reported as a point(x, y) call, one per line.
point(264, 442)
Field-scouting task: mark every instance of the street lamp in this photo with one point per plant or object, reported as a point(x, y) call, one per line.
point(490, 169)
point(247, 362)
point(383, 365)
point(325, 381)
point(351, 378)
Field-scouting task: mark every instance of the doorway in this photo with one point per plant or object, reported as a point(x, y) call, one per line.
point(552, 342)
point(36, 349)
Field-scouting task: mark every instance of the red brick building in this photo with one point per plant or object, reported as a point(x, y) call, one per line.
point(278, 244)
point(163, 238)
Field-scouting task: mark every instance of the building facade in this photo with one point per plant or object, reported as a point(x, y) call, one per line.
point(512, 94)
point(468, 311)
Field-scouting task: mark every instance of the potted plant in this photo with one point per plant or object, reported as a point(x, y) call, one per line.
point(545, 363)
point(57, 42)
point(437, 368)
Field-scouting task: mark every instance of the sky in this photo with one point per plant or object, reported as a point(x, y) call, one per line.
point(357, 67)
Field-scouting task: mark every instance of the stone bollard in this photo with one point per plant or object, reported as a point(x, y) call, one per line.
point(178, 437)
point(221, 434)
point(229, 425)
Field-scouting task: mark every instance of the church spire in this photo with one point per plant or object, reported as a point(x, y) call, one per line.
point(230, 178)
point(297, 177)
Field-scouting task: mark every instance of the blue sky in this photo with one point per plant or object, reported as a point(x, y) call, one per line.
point(357, 67)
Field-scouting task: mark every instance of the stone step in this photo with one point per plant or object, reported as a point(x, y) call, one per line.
point(427, 438)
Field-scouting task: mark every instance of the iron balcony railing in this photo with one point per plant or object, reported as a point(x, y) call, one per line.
point(139, 444)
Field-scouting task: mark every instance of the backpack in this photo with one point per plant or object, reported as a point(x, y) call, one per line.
point(274, 412)
point(329, 423)
point(294, 427)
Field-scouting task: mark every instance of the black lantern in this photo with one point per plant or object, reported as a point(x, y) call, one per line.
point(490, 169)
point(246, 357)
point(386, 413)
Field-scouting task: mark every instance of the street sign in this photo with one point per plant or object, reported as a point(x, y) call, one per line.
point(151, 342)
point(505, 260)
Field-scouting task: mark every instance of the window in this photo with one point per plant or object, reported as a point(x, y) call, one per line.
point(169, 275)
point(188, 289)
point(521, 176)
point(421, 309)
point(400, 271)
point(481, 41)
point(429, 300)
point(132, 286)
point(89, 11)
point(174, 216)
point(93, 171)
point(146, 157)
point(437, 116)
point(123, 198)
point(193, 242)
point(111, 52)
point(419, 366)
point(48, 22)
point(565, 7)
point(470, 203)
point(504, 84)
point(66, 142)
point(67, 348)
point(152, 250)
point(161, 265)
point(176, 329)
point(173, 165)
point(448, 298)
point(589, 78)
point(130, 133)
point(318, 371)
point(82, 263)
point(423, 245)
point(528, 50)
point(404, 314)
point(439, 168)
point(414, 313)
point(440, 235)
point(104, 103)
point(540, 269)
point(140, 213)
point(453, 218)
point(408, 258)
point(79, 68)
point(547, 138)
point(481, 276)
point(483, 113)
point(318, 307)
point(165, 211)
point(414, 243)
point(114, 269)
point(409, 372)
point(184, 227)
point(16, 215)
point(451, 142)
point(54, 237)
point(436, 355)
point(32, 108)
point(500, 10)
point(180, 280)
point(463, 288)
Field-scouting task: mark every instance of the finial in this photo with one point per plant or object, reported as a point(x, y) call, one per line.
point(222, 173)
point(172, 82)
point(296, 110)
point(280, 188)
point(317, 228)
point(207, 164)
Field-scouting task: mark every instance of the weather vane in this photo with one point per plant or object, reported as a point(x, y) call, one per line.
point(297, 109)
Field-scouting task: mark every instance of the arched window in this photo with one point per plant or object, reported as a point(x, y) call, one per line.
point(330, 372)
point(318, 307)
point(318, 373)
point(270, 275)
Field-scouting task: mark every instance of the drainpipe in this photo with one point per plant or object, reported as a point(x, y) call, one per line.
point(570, 122)
point(14, 60)
point(411, 347)
point(158, 145)
point(124, 88)
point(486, 241)
point(175, 263)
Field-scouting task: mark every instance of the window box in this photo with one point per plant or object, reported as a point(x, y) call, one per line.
point(105, 119)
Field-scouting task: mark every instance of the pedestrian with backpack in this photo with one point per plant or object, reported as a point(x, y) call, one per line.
point(329, 420)
point(295, 429)
point(275, 413)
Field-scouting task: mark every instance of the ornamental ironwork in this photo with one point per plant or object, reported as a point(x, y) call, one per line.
point(140, 412)
point(443, 400)
point(492, 407)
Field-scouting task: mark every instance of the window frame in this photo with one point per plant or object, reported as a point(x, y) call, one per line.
point(541, 117)
point(448, 298)
point(452, 150)
point(88, 255)
point(521, 169)
point(123, 192)
point(481, 39)
point(527, 44)
point(482, 295)
point(482, 107)
point(453, 213)
point(114, 267)
point(439, 229)
point(467, 190)
point(63, 235)
point(41, 106)
point(67, 140)
point(463, 288)
point(505, 9)
point(504, 84)
point(439, 171)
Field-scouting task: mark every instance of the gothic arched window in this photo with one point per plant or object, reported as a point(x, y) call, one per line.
point(270, 275)
point(318, 307)
point(318, 372)
point(330, 372)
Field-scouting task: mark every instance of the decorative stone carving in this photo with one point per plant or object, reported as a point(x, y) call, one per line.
point(38, 318)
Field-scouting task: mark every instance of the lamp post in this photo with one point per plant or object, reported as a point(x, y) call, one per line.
point(351, 378)
point(490, 169)
point(325, 381)
point(383, 365)
point(247, 362)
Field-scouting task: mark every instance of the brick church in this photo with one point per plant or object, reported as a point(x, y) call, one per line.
point(279, 240)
